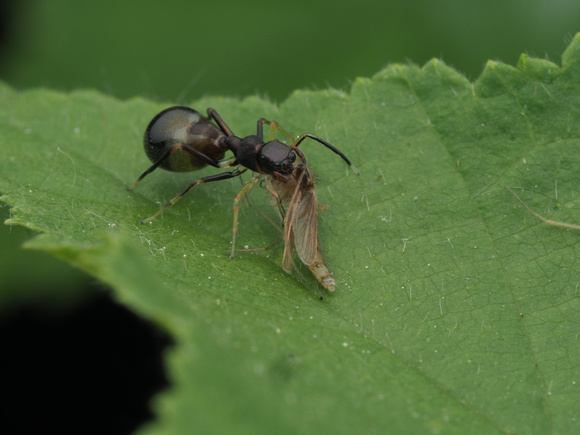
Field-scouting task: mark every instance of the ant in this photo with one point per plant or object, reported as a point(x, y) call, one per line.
point(181, 139)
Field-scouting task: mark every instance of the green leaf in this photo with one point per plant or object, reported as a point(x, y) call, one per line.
point(456, 311)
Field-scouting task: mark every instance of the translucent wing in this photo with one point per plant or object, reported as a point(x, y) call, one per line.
point(305, 222)
point(288, 231)
point(288, 242)
point(301, 229)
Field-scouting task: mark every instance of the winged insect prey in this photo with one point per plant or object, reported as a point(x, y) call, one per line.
point(296, 197)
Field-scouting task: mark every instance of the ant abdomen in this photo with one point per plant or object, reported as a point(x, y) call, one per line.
point(177, 130)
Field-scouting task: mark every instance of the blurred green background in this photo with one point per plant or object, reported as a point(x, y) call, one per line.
point(180, 50)
point(177, 51)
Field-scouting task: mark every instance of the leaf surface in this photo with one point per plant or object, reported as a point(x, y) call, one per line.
point(456, 311)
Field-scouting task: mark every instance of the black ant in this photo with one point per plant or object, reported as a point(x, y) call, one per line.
point(181, 139)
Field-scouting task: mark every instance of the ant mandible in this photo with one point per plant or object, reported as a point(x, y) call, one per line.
point(181, 139)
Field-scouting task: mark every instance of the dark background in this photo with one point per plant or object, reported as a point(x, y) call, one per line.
point(175, 52)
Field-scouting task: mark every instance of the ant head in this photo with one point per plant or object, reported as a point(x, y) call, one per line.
point(265, 158)
point(274, 156)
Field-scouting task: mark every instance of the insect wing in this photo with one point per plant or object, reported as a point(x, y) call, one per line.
point(305, 225)
point(288, 242)
point(288, 230)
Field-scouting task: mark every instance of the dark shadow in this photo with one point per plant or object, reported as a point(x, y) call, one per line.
point(90, 370)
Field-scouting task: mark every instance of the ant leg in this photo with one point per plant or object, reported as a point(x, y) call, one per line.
point(218, 177)
point(184, 147)
point(277, 198)
point(270, 246)
point(287, 251)
point(269, 219)
point(154, 166)
point(243, 192)
point(219, 121)
point(196, 153)
point(260, 128)
point(327, 145)
point(274, 126)
point(226, 163)
point(265, 216)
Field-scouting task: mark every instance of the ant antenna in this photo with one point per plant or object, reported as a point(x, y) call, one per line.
point(329, 146)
